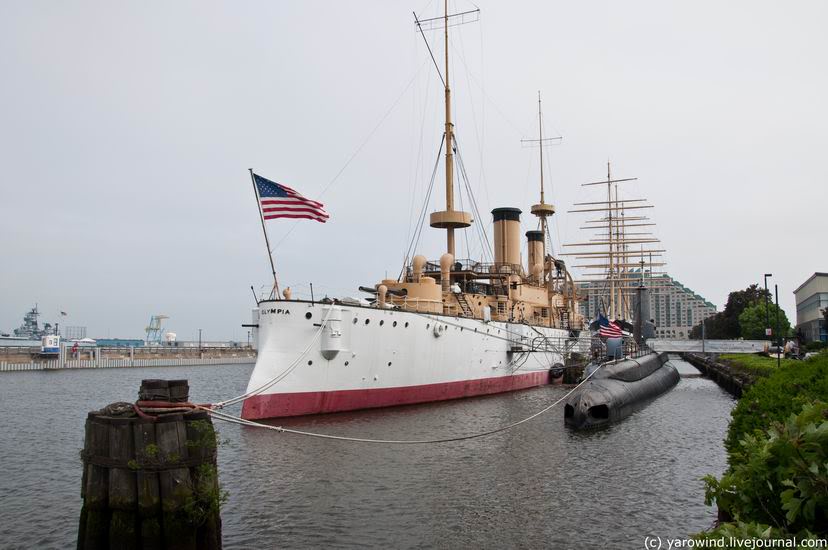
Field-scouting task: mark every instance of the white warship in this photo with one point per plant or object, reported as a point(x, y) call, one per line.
point(446, 328)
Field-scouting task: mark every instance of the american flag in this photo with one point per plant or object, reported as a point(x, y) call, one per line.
point(608, 329)
point(280, 201)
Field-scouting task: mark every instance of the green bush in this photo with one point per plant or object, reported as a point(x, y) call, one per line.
point(815, 346)
point(763, 365)
point(778, 478)
point(776, 397)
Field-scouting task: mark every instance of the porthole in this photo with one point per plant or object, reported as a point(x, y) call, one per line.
point(382, 322)
point(310, 362)
point(428, 325)
point(308, 315)
point(406, 324)
point(355, 320)
point(346, 363)
point(367, 321)
point(394, 324)
point(389, 363)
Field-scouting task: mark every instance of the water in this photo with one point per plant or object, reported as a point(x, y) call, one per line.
point(539, 485)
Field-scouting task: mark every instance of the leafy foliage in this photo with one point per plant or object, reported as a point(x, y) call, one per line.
point(725, 324)
point(753, 321)
point(760, 364)
point(779, 477)
point(728, 536)
point(776, 397)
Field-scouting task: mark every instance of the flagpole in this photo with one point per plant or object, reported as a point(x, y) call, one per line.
point(275, 290)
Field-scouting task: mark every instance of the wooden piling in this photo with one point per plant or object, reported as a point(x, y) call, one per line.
point(150, 481)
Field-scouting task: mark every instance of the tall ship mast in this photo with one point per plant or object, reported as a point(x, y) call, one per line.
point(619, 255)
point(445, 328)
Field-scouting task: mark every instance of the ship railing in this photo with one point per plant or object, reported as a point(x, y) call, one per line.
point(473, 267)
point(563, 345)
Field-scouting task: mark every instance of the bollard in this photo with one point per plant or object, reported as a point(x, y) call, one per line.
point(150, 478)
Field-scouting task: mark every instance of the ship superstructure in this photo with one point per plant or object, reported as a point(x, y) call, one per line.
point(31, 329)
point(446, 328)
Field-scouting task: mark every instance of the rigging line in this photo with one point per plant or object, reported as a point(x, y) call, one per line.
point(415, 238)
point(514, 126)
point(479, 129)
point(358, 150)
point(282, 429)
point(417, 170)
point(507, 331)
point(374, 130)
point(462, 208)
point(479, 132)
point(269, 383)
point(465, 178)
point(428, 47)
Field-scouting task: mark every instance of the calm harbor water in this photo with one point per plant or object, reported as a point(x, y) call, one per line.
point(537, 486)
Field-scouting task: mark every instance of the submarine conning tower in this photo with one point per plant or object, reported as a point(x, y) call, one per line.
point(507, 238)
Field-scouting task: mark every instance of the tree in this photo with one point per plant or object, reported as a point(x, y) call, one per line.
point(737, 302)
point(752, 322)
point(725, 324)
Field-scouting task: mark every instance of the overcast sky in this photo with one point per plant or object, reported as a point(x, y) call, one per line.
point(126, 131)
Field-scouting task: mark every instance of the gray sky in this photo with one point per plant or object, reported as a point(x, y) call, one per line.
point(126, 131)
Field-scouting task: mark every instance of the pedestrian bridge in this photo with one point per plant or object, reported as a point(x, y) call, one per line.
point(664, 345)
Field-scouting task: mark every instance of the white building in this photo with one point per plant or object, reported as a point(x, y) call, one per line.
point(811, 298)
point(674, 308)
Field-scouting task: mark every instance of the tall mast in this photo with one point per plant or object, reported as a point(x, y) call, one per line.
point(449, 140)
point(540, 149)
point(449, 219)
point(611, 311)
point(614, 263)
point(542, 210)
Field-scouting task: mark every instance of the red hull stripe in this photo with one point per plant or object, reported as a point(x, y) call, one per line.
point(277, 405)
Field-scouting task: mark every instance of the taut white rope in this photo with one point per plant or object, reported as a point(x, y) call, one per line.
point(281, 375)
point(237, 420)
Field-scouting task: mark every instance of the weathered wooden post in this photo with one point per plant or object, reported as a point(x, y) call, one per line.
point(150, 478)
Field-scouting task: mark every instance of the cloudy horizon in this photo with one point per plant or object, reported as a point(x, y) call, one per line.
point(128, 130)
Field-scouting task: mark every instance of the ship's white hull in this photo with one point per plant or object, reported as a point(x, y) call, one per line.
point(330, 358)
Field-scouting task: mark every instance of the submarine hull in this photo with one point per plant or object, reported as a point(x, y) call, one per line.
point(618, 389)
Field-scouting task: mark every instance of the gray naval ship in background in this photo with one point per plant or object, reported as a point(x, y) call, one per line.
point(617, 386)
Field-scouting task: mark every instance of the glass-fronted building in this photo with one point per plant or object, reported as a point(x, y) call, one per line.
point(811, 299)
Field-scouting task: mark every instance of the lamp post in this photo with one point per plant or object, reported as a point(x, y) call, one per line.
point(199, 339)
point(767, 298)
point(703, 335)
point(778, 339)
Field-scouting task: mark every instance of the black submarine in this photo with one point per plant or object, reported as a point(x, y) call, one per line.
point(617, 389)
point(619, 386)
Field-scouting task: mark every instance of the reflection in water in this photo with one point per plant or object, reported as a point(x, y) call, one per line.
point(539, 485)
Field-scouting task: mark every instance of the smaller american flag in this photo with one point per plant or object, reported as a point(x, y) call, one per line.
point(280, 201)
point(608, 329)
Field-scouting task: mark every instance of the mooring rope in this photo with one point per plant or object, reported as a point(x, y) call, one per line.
point(281, 375)
point(281, 429)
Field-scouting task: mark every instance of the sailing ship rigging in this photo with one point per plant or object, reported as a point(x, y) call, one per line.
point(619, 254)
